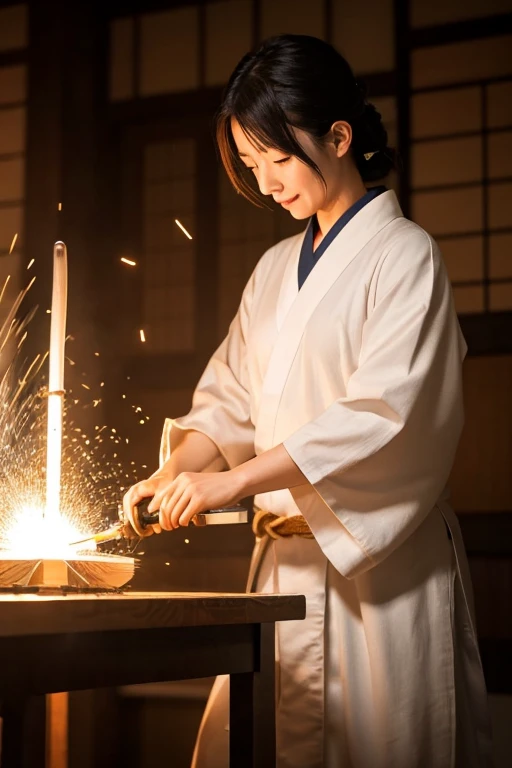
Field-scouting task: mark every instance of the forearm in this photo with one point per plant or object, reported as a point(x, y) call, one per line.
point(270, 471)
point(192, 451)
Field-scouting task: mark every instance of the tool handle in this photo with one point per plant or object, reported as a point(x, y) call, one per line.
point(224, 515)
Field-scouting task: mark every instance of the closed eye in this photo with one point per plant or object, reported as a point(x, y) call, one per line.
point(283, 160)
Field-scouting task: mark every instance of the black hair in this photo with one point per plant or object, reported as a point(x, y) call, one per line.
point(298, 81)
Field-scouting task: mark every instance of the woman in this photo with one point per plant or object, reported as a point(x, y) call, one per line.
point(336, 400)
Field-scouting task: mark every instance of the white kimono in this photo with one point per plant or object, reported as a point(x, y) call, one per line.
point(358, 374)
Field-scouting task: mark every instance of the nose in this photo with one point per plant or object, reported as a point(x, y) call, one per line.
point(267, 180)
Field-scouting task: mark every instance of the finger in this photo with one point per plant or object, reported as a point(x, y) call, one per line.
point(179, 508)
point(165, 488)
point(157, 528)
point(168, 505)
point(163, 517)
point(187, 515)
point(136, 493)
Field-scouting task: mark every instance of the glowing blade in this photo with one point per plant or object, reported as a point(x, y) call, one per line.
point(56, 380)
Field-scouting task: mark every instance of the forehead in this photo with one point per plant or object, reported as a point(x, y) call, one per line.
point(244, 143)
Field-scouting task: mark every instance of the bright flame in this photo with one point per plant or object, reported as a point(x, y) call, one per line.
point(130, 262)
point(180, 225)
point(34, 535)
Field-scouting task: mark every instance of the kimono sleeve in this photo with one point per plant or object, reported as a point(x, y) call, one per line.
point(380, 457)
point(221, 404)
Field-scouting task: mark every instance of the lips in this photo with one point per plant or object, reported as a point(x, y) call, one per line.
point(287, 202)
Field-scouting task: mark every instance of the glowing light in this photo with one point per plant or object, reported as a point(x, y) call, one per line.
point(56, 381)
point(36, 535)
point(30, 263)
point(187, 541)
point(180, 225)
point(11, 249)
point(130, 262)
point(4, 287)
point(142, 335)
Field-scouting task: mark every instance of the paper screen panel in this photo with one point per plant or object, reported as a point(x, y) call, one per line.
point(440, 113)
point(463, 257)
point(12, 130)
point(121, 59)
point(364, 34)
point(500, 255)
point(501, 297)
point(500, 205)
point(469, 300)
point(11, 223)
point(294, 17)
point(13, 84)
point(455, 211)
point(499, 105)
point(461, 62)
point(12, 179)
point(434, 12)
point(500, 155)
point(14, 27)
point(169, 256)
point(444, 162)
point(228, 37)
point(169, 51)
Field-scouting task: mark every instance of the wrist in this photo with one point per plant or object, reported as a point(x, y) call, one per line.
point(240, 481)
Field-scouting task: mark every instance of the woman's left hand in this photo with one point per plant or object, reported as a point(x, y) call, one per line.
point(192, 492)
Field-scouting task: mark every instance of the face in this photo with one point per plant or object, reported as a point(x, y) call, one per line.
point(292, 183)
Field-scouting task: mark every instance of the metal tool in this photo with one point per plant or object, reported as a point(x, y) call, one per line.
point(124, 529)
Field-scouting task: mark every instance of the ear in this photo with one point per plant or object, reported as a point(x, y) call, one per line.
point(341, 136)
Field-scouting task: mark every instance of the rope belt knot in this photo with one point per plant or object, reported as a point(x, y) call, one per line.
point(279, 526)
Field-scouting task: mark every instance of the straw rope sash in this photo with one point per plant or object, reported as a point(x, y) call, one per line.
point(278, 526)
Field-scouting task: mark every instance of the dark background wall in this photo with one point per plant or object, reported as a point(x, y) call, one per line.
point(106, 115)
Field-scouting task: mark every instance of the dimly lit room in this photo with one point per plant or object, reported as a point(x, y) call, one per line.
point(256, 383)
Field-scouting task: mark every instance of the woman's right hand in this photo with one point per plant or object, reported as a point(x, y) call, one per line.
point(137, 493)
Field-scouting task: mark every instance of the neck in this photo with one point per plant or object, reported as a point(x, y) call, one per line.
point(351, 191)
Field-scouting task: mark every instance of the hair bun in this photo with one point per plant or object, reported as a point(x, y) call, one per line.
point(373, 157)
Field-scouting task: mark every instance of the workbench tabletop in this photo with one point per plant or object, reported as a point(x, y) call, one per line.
point(36, 614)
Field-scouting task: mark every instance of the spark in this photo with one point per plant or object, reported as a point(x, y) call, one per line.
point(142, 335)
point(11, 249)
point(180, 225)
point(130, 262)
point(187, 541)
point(30, 263)
point(59, 207)
point(48, 311)
point(97, 354)
point(85, 386)
point(4, 287)
point(167, 563)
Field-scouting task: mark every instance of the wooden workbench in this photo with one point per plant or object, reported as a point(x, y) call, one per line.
point(64, 643)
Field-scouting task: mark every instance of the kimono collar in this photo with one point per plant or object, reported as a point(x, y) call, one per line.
point(308, 258)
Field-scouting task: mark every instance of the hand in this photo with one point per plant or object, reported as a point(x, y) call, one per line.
point(181, 498)
point(143, 490)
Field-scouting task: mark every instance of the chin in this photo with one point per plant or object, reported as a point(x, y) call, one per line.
point(301, 213)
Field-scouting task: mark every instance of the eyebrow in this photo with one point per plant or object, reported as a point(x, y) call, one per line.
point(242, 154)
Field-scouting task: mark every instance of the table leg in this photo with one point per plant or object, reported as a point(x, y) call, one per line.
point(23, 732)
point(252, 729)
